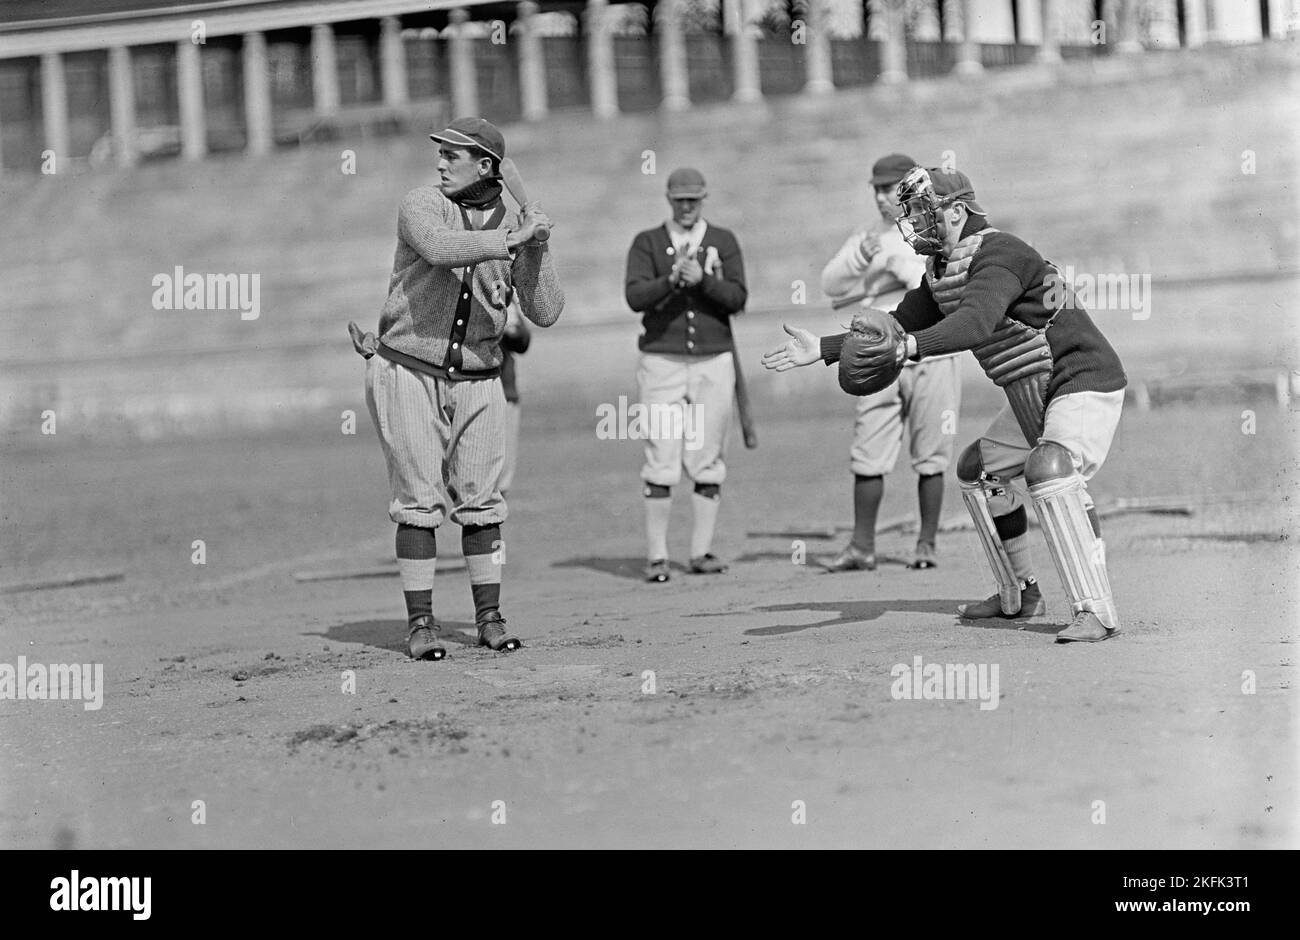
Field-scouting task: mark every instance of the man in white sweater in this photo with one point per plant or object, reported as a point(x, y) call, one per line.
point(875, 268)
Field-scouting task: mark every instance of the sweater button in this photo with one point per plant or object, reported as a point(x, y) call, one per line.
point(455, 345)
point(460, 322)
point(690, 314)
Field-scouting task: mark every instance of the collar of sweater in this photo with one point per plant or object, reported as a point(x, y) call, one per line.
point(480, 195)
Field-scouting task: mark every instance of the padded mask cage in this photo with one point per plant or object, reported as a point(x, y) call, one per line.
point(919, 223)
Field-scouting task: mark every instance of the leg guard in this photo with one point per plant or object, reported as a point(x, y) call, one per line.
point(1062, 503)
point(976, 487)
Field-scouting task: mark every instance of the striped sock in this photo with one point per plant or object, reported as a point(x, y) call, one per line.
point(417, 560)
point(484, 556)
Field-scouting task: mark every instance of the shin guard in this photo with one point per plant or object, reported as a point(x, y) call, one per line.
point(1079, 553)
point(976, 497)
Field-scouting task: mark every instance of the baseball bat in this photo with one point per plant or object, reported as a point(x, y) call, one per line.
point(742, 403)
point(514, 183)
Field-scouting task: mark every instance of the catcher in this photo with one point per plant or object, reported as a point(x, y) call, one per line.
point(987, 291)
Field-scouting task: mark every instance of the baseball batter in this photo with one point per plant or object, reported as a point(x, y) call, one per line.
point(990, 292)
point(875, 268)
point(433, 383)
point(687, 279)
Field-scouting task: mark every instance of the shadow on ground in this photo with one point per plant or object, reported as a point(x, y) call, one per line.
point(391, 634)
point(848, 612)
point(631, 568)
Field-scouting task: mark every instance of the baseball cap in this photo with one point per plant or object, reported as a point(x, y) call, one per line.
point(889, 170)
point(686, 183)
point(473, 132)
point(955, 186)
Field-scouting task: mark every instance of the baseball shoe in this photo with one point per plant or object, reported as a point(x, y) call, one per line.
point(492, 634)
point(1031, 605)
point(1086, 628)
point(851, 558)
point(924, 557)
point(708, 563)
point(657, 571)
point(422, 641)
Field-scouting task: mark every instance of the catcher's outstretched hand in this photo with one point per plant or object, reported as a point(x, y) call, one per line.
point(802, 349)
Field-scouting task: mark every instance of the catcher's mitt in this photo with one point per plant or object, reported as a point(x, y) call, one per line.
point(873, 353)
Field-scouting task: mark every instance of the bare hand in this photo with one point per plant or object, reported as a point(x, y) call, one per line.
point(869, 247)
point(532, 218)
point(804, 348)
point(689, 272)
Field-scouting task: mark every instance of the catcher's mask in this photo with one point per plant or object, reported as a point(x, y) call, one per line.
point(919, 223)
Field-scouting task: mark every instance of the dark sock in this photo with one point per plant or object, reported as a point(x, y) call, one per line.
point(929, 493)
point(416, 544)
point(867, 493)
point(487, 597)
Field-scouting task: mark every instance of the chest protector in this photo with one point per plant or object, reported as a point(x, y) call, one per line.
point(1016, 357)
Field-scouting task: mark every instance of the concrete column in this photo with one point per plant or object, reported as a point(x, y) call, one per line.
point(744, 51)
point(54, 106)
point(324, 70)
point(189, 81)
point(257, 94)
point(600, 61)
point(1194, 22)
point(532, 63)
point(819, 76)
point(893, 57)
point(464, 76)
point(1049, 48)
point(968, 50)
point(121, 104)
point(673, 76)
point(1129, 35)
point(392, 63)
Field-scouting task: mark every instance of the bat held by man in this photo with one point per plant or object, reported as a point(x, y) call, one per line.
point(514, 184)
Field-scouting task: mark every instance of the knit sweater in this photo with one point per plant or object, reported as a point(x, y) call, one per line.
point(1008, 278)
point(692, 321)
point(420, 325)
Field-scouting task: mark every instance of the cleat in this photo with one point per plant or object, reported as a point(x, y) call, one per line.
point(1031, 605)
point(1086, 628)
point(422, 641)
point(657, 571)
point(851, 558)
point(492, 634)
point(708, 563)
point(924, 557)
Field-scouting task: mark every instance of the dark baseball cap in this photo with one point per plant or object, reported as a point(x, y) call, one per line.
point(473, 132)
point(955, 186)
point(889, 170)
point(686, 183)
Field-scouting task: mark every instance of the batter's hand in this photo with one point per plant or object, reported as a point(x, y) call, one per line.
point(803, 349)
point(689, 272)
point(533, 216)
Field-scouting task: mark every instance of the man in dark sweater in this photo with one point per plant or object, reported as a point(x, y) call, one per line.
point(990, 292)
point(686, 278)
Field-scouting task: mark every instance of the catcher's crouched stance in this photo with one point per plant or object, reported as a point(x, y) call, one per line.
point(433, 381)
point(985, 290)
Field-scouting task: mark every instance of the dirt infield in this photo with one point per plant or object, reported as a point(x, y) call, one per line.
point(772, 684)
